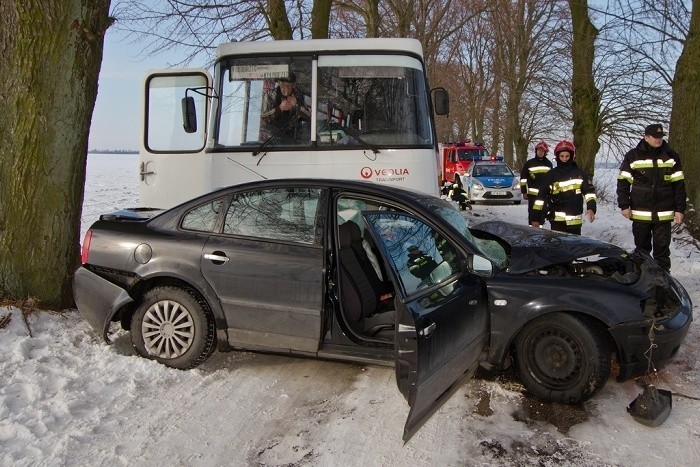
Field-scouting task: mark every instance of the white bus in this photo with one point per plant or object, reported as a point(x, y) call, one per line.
point(363, 111)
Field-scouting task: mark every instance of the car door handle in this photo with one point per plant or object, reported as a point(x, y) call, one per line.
point(426, 331)
point(217, 257)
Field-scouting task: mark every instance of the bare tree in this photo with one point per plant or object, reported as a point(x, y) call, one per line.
point(527, 51)
point(51, 54)
point(198, 26)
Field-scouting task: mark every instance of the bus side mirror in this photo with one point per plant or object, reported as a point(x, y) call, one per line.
point(441, 101)
point(189, 115)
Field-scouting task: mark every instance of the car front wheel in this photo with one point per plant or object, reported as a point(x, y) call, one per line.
point(562, 358)
point(173, 326)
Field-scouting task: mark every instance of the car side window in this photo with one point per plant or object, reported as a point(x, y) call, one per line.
point(203, 217)
point(288, 214)
point(419, 254)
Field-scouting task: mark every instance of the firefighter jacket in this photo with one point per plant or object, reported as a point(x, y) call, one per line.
point(651, 183)
point(563, 192)
point(456, 186)
point(532, 175)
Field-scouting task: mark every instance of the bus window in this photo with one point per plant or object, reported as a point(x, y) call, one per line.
point(252, 92)
point(378, 99)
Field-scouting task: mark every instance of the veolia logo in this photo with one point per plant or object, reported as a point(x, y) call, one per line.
point(367, 172)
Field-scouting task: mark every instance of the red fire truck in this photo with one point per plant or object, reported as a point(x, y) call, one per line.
point(462, 152)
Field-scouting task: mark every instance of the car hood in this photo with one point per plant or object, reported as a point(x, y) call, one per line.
point(533, 248)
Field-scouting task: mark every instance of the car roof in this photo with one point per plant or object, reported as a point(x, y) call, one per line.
point(387, 192)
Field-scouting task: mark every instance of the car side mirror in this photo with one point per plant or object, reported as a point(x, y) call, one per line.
point(480, 265)
point(189, 114)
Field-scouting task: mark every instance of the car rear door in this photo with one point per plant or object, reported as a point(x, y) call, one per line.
point(267, 268)
point(441, 315)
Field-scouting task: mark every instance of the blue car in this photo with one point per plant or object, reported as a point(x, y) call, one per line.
point(493, 180)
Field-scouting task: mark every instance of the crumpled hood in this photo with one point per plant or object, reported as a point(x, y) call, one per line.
point(533, 248)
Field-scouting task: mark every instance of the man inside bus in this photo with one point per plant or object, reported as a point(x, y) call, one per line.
point(286, 118)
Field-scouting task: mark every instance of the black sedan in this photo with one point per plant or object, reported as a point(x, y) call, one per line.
point(361, 272)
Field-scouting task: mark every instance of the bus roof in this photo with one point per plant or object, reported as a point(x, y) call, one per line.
point(320, 45)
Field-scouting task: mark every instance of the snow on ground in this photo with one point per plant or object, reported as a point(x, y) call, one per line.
point(66, 398)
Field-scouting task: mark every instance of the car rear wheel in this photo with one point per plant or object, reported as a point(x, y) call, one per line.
point(562, 358)
point(173, 326)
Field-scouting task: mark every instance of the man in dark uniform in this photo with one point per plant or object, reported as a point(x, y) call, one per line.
point(285, 112)
point(651, 192)
point(531, 179)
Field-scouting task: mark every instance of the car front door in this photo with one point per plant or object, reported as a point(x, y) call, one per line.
point(267, 268)
point(442, 312)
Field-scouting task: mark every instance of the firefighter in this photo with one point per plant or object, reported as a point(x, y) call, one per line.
point(651, 192)
point(563, 192)
point(457, 192)
point(531, 178)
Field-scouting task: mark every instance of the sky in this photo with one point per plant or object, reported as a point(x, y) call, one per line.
point(68, 398)
point(116, 119)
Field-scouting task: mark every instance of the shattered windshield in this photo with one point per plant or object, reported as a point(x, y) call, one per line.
point(490, 248)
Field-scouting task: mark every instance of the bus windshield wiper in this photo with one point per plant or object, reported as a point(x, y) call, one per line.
point(356, 136)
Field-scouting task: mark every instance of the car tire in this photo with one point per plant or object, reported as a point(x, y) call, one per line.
point(562, 358)
point(173, 326)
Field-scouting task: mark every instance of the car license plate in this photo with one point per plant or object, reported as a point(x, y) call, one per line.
point(499, 193)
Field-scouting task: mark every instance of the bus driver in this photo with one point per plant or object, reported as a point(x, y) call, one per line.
point(286, 112)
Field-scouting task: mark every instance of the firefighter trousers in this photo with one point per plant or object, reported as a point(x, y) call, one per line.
point(654, 237)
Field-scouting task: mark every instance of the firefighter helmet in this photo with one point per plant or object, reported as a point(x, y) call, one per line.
point(565, 145)
point(542, 145)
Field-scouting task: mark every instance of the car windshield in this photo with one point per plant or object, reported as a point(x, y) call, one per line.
point(489, 248)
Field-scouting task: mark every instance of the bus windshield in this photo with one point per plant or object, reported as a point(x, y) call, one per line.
point(374, 99)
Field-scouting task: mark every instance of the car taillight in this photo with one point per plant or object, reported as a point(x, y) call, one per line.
point(85, 250)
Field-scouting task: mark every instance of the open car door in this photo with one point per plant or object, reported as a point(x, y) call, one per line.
point(441, 312)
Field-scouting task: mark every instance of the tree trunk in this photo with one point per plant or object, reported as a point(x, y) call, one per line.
point(320, 18)
point(278, 21)
point(585, 95)
point(684, 135)
point(51, 53)
point(372, 18)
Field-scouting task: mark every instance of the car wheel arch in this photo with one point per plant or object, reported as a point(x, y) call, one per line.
point(142, 287)
point(505, 350)
point(589, 318)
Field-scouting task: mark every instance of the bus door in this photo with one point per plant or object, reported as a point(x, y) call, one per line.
point(171, 150)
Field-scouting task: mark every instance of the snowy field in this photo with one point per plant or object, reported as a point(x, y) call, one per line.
point(66, 398)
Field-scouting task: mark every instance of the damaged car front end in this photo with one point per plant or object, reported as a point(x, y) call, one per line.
point(641, 313)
